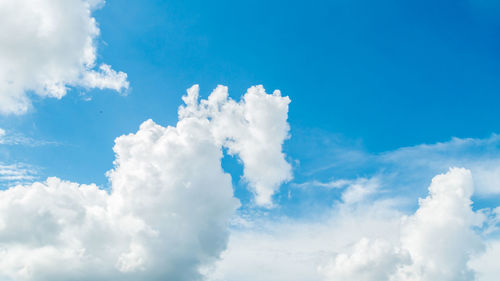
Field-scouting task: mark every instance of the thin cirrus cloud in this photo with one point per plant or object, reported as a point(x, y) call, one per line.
point(407, 169)
point(11, 138)
point(19, 173)
point(16, 173)
point(47, 47)
point(170, 204)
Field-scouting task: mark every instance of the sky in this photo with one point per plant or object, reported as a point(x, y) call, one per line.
point(254, 140)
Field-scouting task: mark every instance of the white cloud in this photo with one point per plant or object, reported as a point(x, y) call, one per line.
point(254, 128)
point(486, 266)
point(170, 203)
point(440, 236)
point(47, 46)
point(370, 240)
point(370, 260)
point(439, 239)
point(292, 250)
point(105, 78)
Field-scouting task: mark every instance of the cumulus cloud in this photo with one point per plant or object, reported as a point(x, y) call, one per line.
point(440, 236)
point(254, 128)
point(371, 240)
point(48, 46)
point(170, 203)
point(438, 239)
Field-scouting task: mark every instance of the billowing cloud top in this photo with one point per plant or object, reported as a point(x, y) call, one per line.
point(436, 242)
point(46, 47)
point(167, 214)
point(255, 129)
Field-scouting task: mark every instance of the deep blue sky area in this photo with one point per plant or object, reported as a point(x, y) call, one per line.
point(394, 73)
point(381, 74)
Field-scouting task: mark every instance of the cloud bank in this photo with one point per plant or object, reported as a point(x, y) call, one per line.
point(371, 240)
point(47, 47)
point(166, 216)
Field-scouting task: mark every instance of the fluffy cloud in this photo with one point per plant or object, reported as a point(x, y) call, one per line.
point(370, 240)
point(47, 46)
point(439, 239)
point(255, 129)
point(440, 236)
point(167, 213)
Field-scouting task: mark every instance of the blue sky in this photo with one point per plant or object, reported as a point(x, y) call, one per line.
point(381, 76)
point(385, 94)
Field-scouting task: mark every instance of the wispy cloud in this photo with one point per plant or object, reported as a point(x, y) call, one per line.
point(14, 174)
point(407, 169)
point(13, 138)
point(329, 184)
point(355, 190)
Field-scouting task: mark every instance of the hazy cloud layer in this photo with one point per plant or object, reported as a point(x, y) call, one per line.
point(46, 47)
